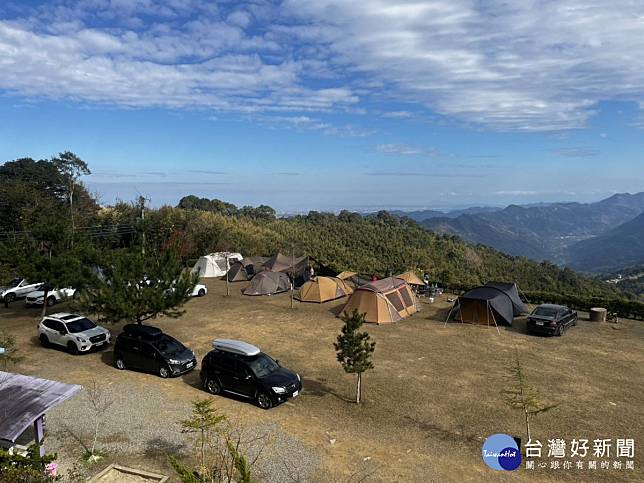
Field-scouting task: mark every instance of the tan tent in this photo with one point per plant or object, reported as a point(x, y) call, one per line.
point(323, 289)
point(346, 275)
point(411, 278)
point(383, 301)
point(287, 264)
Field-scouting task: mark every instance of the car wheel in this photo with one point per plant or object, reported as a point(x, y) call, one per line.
point(164, 372)
point(72, 348)
point(44, 341)
point(264, 401)
point(201, 292)
point(560, 330)
point(51, 301)
point(212, 386)
point(119, 363)
point(10, 297)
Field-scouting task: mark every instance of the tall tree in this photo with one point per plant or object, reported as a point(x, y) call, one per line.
point(354, 349)
point(135, 287)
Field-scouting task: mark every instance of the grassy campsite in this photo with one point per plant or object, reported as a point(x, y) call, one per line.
point(432, 397)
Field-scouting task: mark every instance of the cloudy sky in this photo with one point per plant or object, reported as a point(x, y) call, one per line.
point(316, 104)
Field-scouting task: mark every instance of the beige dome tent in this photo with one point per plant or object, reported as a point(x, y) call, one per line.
point(323, 289)
point(383, 301)
point(411, 278)
point(268, 283)
point(346, 275)
point(214, 264)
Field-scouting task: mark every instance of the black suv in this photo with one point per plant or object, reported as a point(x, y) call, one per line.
point(239, 368)
point(148, 349)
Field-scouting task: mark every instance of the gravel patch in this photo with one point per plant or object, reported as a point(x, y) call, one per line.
point(144, 422)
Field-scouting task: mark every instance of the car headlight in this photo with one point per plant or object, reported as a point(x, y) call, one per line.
point(279, 390)
point(81, 339)
point(174, 361)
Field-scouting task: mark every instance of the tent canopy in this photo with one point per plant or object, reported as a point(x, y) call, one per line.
point(323, 289)
point(383, 301)
point(411, 278)
point(512, 291)
point(214, 264)
point(287, 264)
point(346, 275)
point(486, 305)
point(268, 283)
point(25, 399)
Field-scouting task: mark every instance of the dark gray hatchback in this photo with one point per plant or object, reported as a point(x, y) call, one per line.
point(148, 349)
point(551, 319)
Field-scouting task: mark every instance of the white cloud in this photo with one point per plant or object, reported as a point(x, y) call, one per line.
point(532, 65)
point(521, 66)
point(403, 149)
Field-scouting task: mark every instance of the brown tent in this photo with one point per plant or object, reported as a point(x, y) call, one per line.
point(323, 289)
point(287, 264)
point(346, 275)
point(383, 301)
point(268, 283)
point(411, 278)
point(253, 265)
point(237, 273)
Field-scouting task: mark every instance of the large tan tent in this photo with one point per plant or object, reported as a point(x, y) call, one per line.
point(323, 289)
point(383, 301)
point(411, 278)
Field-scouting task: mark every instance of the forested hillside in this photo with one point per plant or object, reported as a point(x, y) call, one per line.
point(58, 231)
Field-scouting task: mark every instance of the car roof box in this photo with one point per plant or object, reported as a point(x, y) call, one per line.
point(143, 331)
point(235, 346)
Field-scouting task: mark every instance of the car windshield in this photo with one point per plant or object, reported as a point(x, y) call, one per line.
point(14, 283)
point(167, 345)
point(546, 311)
point(80, 325)
point(262, 365)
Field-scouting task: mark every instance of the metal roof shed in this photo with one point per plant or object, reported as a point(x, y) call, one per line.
point(24, 400)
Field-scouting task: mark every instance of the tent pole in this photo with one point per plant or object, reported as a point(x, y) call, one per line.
point(495, 324)
point(448, 315)
point(292, 273)
point(227, 282)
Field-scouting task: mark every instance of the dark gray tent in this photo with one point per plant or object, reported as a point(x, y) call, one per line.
point(267, 283)
point(254, 265)
point(512, 291)
point(237, 273)
point(484, 305)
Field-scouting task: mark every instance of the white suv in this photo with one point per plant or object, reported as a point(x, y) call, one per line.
point(53, 296)
point(74, 332)
point(18, 288)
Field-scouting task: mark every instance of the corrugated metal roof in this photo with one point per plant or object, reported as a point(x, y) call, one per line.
point(24, 399)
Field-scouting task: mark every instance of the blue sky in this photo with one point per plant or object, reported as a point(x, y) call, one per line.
point(327, 105)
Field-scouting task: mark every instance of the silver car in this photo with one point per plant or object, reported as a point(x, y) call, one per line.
point(74, 332)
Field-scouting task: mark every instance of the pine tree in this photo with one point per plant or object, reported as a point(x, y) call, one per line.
point(521, 395)
point(354, 349)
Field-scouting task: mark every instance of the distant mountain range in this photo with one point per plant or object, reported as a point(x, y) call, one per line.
point(423, 215)
point(585, 236)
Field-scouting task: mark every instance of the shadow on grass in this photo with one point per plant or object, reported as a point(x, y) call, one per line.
point(157, 447)
point(316, 388)
point(439, 432)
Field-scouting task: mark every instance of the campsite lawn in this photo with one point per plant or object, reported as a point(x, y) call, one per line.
point(431, 400)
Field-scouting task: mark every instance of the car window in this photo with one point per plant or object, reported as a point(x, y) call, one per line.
point(59, 326)
point(225, 363)
point(50, 324)
point(14, 283)
point(80, 325)
point(167, 345)
point(545, 312)
point(126, 343)
point(262, 365)
point(147, 349)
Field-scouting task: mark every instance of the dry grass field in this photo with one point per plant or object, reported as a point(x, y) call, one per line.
point(431, 400)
